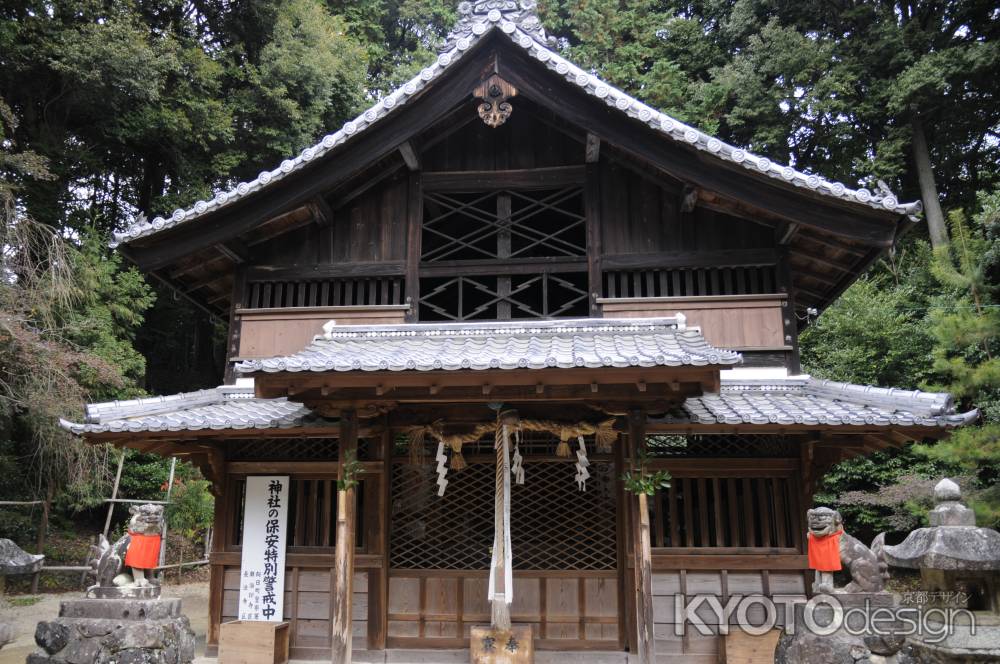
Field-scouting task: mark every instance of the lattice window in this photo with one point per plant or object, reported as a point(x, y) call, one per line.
point(553, 526)
point(686, 282)
point(312, 513)
point(743, 446)
point(327, 293)
point(721, 511)
point(291, 449)
point(283, 449)
point(503, 224)
point(503, 297)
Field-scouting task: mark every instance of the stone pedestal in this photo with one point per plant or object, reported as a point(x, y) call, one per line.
point(850, 641)
point(122, 631)
point(493, 646)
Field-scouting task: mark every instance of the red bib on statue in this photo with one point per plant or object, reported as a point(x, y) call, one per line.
point(824, 552)
point(143, 551)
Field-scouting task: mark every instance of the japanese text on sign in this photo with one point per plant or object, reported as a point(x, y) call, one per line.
point(262, 571)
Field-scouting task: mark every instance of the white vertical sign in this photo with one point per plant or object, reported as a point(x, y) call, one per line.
point(262, 570)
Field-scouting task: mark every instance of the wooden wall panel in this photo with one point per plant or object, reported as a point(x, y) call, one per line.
point(307, 608)
point(640, 216)
point(270, 332)
point(521, 142)
point(372, 227)
point(743, 322)
point(568, 610)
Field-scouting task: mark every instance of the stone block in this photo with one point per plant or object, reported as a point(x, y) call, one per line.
point(115, 631)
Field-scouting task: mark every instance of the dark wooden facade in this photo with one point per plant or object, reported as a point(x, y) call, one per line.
point(569, 209)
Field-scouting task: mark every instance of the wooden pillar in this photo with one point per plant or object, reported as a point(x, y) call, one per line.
point(378, 579)
point(343, 564)
point(643, 555)
point(592, 210)
point(222, 524)
point(414, 231)
point(789, 321)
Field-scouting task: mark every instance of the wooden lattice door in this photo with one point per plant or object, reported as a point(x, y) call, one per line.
point(565, 556)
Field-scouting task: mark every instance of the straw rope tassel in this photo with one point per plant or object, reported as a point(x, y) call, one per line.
point(517, 461)
point(582, 474)
point(501, 592)
point(442, 469)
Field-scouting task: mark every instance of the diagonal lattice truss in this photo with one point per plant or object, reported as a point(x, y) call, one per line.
point(532, 296)
point(553, 525)
point(503, 224)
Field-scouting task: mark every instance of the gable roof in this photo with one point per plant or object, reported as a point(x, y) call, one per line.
point(518, 22)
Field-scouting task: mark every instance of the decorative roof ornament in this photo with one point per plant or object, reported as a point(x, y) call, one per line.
point(495, 93)
point(476, 17)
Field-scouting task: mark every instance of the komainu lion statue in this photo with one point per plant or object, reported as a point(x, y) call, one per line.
point(121, 567)
point(832, 550)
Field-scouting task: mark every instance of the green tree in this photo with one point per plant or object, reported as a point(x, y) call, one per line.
point(966, 327)
point(61, 343)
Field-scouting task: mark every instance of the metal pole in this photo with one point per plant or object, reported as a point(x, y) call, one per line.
point(163, 535)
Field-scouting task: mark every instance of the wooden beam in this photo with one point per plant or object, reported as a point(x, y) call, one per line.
point(786, 233)
point(197, 265)
point(235, 250)
point(643, 554)
point(592, 212)
point(688, 199)
point(672, 259)
point(529, 266)
point(831, 242)
point(525, 178)
point(343, 570)
point(410, 157)
point(592, 153)
point(215, 314)
point(321, 211)
point(297, 272)
point(784, 200)
point(361, 184)
point(821, 260)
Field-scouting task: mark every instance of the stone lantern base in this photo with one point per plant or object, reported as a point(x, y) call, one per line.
point(124, 631)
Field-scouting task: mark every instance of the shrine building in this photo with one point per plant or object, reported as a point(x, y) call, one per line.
point(509, 243)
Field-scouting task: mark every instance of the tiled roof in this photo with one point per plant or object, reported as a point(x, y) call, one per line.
point(565, 344)
point(221, 408)
point(518, 22)
point(803, 400)
point(794, 400)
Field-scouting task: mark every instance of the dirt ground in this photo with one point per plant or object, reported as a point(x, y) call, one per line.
point(24, 618)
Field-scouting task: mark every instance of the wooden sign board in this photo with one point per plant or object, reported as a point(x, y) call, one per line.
point(513, 646)
point(262, 570)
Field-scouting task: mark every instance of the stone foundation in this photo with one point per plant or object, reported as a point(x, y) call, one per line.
point(848, 644)
point(119, 631)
